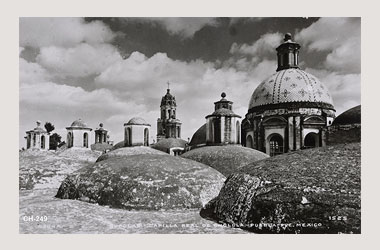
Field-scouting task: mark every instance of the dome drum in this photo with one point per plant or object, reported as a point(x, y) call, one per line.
point(136, 132)
point(78, 134)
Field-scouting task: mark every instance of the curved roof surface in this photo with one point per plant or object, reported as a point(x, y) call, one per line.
point(223, 112)
point(79, 123)
point(165, 144)
point(351, 116)
point(137, 121)
point(290, 85)
point(199, 137)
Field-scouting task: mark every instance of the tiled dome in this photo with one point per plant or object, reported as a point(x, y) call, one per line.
point(290, 85)
point(137, 121)
point(79, 123)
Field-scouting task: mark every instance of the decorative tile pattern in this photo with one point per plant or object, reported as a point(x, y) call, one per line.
point(290, 85)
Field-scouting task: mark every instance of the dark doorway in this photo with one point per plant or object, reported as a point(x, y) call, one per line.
point(249, 141)
point(217, 136)
point(311, 140)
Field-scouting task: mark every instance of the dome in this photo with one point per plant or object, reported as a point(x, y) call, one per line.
point(137, 121)
point(291, 85)
point(199, 136)
point(144, 182)
point(168, 143)
point(226, 159)
point(224, 112)
point(351, 116)
point(79, 123)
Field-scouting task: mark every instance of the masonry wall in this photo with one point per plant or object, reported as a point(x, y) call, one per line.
point(340, 134)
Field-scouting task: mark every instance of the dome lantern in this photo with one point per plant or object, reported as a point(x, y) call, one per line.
point(287, 53)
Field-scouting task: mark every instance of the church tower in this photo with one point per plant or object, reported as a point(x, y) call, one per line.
point(168, 126)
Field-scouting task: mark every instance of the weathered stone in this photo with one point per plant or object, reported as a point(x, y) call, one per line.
point(308, 191)
point(128, 151)
point(226, 159)
point(149, 182)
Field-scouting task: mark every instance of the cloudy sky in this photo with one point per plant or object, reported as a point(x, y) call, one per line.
point(112, 69)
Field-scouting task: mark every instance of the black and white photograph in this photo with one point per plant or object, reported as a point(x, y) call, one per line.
point(189, 125)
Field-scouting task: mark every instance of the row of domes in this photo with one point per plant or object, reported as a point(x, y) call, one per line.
point(134, 121)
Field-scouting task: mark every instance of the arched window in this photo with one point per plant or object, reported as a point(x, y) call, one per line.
point(276, 145)
point(311, 140)
point(217, 131)
point(128, 137)
point(249, 141)
point(146, 137)
point(237, 132)
point(70, 139)
point(34, 140)
point(85, 140)
point(43, 142)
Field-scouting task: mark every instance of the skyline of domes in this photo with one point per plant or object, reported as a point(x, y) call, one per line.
point(291, 85)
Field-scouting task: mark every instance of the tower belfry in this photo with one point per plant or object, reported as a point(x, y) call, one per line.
point(168, 126)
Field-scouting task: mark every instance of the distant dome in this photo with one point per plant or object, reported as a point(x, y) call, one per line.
point(79, 123)
point(165, 144)
point(120, 144)
point(199, 136)
point(137, 121)
point(351, 116)
point(226, 159)
point(39, 129)
point(291, 85)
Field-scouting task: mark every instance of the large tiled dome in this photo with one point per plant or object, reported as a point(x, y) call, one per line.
point(291, 85)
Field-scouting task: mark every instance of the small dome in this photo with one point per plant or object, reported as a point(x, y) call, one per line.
point(291, 85)
point(79, 123)
point(351, 116)
point(137, 121)
point(39, 129)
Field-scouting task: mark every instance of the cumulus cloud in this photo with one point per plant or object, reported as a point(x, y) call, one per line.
point(79, 61)
point(30, 72)
point(62, 104)
point(65, 32)
point(196, 85)
point(182, 26)
point(265, 45)
point(344, 88)
point(340, 37)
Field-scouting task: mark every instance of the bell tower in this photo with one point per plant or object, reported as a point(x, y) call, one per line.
point(168, 126)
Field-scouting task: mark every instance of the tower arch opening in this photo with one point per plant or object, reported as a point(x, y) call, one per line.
point(311, 140)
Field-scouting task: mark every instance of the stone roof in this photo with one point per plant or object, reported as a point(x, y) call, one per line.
point(144, 182)
point(226, 159)
point(351, 116)
point(224, 112)
point(290, 85)
point(137, 121)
